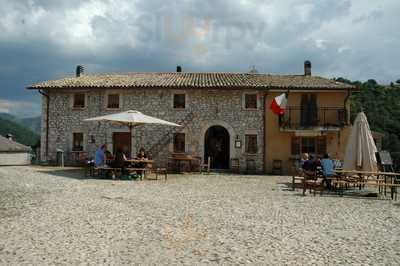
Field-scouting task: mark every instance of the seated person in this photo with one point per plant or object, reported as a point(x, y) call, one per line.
point(119, 161)
point(99, 159)
point(327, 166)
point(309, 167)
point(142, 154)
point(328, 169)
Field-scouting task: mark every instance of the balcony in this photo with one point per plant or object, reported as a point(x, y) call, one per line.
point(317, 119)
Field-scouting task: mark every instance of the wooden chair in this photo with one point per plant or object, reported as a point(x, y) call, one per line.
point(160, 171)
point(235, 165)
point(312, 182)
point(277, 167)
point(206, 166)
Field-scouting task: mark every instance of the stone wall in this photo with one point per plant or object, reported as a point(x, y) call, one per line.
point(209, 108)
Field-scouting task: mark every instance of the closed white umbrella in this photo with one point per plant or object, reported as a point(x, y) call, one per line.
point(361, 149)
point(131, 118)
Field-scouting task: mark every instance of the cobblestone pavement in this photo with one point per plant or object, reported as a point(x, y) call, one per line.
point(53, 216)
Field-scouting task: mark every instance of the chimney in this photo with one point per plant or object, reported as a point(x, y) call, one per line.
point(307, 68)
point(179, 69)
point(79, 70)
point(9, 137)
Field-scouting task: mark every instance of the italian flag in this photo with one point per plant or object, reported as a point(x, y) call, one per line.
point(278, 105)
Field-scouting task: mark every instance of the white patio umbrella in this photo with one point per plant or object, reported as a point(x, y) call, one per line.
point(361, 149)
point(131, 119)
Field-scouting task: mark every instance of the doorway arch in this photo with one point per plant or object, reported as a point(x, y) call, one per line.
point(217, 146)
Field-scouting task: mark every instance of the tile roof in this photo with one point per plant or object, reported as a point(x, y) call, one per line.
point(7, 145)
point(193, 80)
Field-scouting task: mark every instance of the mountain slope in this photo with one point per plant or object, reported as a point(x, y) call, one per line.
point(21, 134)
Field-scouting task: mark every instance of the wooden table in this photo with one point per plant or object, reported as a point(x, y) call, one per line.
point(380, 182)
point(183, 158)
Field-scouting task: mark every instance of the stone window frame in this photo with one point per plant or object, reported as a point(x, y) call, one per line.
point(106, 99)
point(244, 100)
point(173, 92)
point(84, 138)
point(72, 101)
point(188, 138)
point(251, 132)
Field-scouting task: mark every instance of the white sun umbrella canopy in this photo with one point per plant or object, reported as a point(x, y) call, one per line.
point(131, 119)
point(361, 149)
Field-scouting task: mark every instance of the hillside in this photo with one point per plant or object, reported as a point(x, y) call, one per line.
point(381, 104)
point(11, 125)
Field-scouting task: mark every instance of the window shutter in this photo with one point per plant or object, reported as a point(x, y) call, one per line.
point(295, 145)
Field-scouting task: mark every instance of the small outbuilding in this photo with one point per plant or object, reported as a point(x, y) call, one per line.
point(13, 153)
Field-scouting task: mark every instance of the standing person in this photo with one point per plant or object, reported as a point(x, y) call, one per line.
point(100, 156)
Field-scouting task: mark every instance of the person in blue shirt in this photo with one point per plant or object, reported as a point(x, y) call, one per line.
point(328, 169)
point(99, 159)
point(327, 166)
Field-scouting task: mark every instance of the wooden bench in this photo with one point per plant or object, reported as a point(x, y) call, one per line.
point(142, 170)
point(98, 171)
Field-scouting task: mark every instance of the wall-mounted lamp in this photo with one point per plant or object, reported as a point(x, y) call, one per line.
point(238, 142)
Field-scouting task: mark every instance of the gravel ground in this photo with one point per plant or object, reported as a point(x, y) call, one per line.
point(53, 216)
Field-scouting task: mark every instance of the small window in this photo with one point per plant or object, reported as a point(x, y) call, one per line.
point(113, 101)
point(250, 101)
point(179, 142)
point(179, 101)
point(77, 142)
point(308, 145)
point(79, 100)
point(251, 144)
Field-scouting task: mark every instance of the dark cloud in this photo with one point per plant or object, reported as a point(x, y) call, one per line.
point(45, 39)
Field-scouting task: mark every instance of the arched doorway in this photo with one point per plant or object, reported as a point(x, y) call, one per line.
point(216, 146)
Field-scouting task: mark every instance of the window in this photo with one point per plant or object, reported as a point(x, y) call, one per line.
point(250, 101)
point(251, 144)
point(307, 145)
point(321, 145)
point(179, 142)
point(77, 142)
point(313, 145)
point(113, 101)
point(79, 100)
point(179, 101)
point(296, 145)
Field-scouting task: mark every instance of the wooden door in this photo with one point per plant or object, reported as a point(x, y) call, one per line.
point(122, 141)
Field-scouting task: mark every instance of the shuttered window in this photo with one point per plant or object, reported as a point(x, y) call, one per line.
point(251, 144)
point(79, 100)
point(113, 101)
point(250, 101)
point(179, 101)
point(77, 142)
point(179, 142)
point(296, 145)
point(313, 145)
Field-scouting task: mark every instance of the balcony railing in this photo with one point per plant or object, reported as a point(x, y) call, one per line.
point(299, 118)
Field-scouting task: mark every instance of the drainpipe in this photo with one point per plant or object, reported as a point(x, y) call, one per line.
point(345, 106)
point(47, 122)
point(265, 131)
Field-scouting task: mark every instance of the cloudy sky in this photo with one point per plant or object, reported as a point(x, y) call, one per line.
point(46, 39)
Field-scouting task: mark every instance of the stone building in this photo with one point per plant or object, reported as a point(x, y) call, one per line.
point(13, 153)
point(223, 115)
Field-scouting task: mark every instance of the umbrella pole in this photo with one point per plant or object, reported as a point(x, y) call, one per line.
point(130, 130)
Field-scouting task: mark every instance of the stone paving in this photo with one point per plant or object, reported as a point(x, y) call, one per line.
point(53, 216)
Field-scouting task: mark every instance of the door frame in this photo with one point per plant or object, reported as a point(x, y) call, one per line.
point(233, 152)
